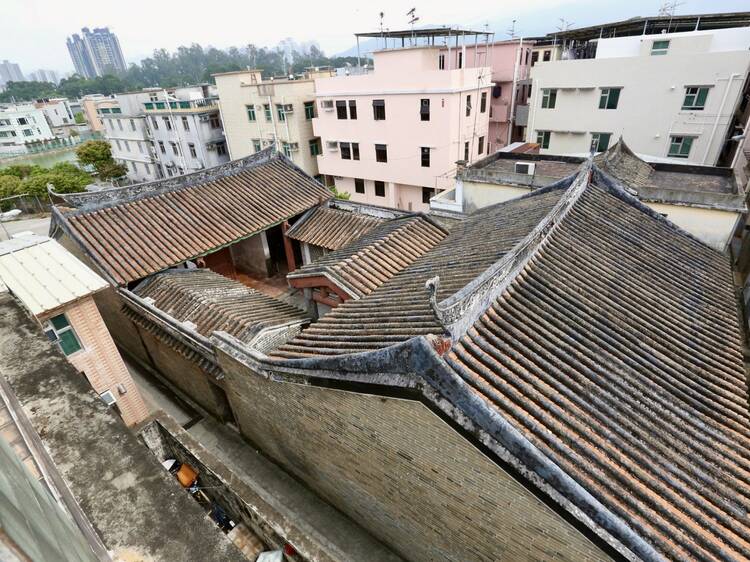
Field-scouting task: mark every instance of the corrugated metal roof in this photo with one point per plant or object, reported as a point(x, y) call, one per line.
point(44, 275)
point(140, 230)
point(332, 228)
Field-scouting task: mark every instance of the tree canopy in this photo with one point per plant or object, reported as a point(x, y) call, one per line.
point(188, 65)
point(98, 154)
point(24, 178)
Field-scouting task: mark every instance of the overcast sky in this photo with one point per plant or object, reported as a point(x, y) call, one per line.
point(33, 32)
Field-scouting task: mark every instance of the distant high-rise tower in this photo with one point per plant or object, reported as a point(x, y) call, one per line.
point(96, 53)
point(10, 72)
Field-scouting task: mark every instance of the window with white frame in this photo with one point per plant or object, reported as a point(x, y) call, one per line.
point(660, 47)
point(549, 98)
point(695, 98)
point(600, 141)
point(679, 146)
point(542, 138)
point(59, 330)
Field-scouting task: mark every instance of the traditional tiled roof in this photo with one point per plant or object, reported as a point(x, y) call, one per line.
point(620, 162)
point(135, 231)
point(213, 302)
point(330, 228)
point(597, 346)
point(400, 309)
point(375, 257)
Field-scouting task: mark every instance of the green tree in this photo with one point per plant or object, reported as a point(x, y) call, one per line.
point(27, 91)
point(79, 118)
point(9, 185)
point(98, 154)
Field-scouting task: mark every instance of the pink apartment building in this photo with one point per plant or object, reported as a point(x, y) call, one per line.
point(392, 137)
point(510, 62)
point(57, 289)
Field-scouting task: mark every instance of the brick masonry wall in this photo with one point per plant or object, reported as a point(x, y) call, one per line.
point(187, 376)
point(401, 472)
point(101, 362)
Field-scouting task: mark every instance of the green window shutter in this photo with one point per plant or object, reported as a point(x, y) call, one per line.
point(687, 144)
point(701, 99)
point(59, 322)
point(614, 97)
point(603, 99)
point(69, 342)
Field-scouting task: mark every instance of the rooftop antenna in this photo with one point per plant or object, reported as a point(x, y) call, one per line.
point(512, 30)
point(413, 18)
point(668, 9)
point(564, 25)
point(382, 15)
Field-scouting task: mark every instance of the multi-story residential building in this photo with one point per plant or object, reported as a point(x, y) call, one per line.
point(90, 105)
point(672, 95)
point(124, 125)
point(96, 53)
point(258, 113)
point(20, 125)
point(510, 62)
point(10, 72)
point(163, 133)
point(393, 137)
point(42, 75)
point(185, 127)
point(58, 113)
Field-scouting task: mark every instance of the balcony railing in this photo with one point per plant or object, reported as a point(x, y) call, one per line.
point(182, 105)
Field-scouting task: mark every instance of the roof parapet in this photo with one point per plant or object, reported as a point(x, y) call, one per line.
point(461, 310)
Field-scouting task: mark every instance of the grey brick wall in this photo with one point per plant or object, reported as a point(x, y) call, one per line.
point(401, 472)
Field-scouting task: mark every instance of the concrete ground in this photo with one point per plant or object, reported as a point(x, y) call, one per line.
point(334, 533)
point(37, 225)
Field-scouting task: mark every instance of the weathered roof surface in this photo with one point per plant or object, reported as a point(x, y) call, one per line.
point(680, 184)
point(44, 275)
point(399, 309)
point(371, 260)
point(602, 351)
point(213, 302)
point(331, 228)
point(135, 231)
point(617, 353)
point(123, 490)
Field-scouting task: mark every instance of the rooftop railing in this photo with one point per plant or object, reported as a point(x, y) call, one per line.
point(181, 105)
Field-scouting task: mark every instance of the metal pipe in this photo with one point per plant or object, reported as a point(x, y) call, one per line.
point(730, 80)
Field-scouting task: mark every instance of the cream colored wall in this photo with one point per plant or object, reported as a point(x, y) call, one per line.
point(236, 92)
point(100, 360)
point(714, 227)
point(649, 109)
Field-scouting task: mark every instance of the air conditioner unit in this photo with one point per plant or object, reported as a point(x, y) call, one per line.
point(288, 108)
point(205, 118)
point(327, 105)
point(108, 397)
point(525, 168)
point(211, 147)
point(267, 142)
point(294, 146)
point(332, 145)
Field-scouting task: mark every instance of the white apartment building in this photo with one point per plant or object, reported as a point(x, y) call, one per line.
point(124, 125)
point(160, 133)
point(392, 137)
point(258, 113)
point(675, 96)
point(20, 125)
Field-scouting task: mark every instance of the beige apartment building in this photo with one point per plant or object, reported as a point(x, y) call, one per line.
point(58, 290)
point(91, 104)
point(259, 113)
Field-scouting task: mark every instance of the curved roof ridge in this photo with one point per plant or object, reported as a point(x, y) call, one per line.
point(92, 200)
point(458, 312)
